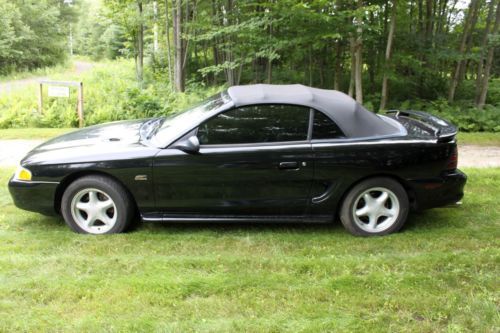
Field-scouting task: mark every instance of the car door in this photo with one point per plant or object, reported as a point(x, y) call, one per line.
point(253, 161)
point(336, 161)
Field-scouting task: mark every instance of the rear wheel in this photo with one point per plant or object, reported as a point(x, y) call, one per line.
point(97, 205)
point(376, 206)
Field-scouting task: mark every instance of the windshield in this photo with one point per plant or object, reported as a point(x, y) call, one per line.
point(183, 121)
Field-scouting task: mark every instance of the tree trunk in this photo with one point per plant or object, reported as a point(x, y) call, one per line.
point(229, 57)
point(185, 42)
point(310, 67)
point(458, 69)
point(358, 76)
point(156, 45)
point(484, 50)
point(353, 66)
point(140, 45)
point(468, 45)
point(388, 51)
point(215, 49)
point(269, 67)
point(167, 38)
point(481, 99)
point(338, 66)
point(269, 70)
point(358, 71)
point(179, 52)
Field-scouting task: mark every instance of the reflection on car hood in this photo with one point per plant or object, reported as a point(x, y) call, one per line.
point(116, 133)
point(111, 141)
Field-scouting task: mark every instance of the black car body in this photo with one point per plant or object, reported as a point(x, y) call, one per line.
point(251, 153)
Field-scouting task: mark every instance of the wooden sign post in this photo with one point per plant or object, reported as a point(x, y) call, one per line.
point(61, 89)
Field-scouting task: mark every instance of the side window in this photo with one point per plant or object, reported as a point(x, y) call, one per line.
point(325, 128)
point(257, 123)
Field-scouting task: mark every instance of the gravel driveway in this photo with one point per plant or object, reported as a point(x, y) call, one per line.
point(11, 152)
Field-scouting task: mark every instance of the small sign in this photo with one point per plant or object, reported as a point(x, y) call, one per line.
point(58, 91)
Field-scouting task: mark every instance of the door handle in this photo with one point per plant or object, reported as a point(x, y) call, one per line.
point(288, 165)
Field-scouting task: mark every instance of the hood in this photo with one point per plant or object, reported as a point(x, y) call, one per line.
point(95, 143)
point(118, 133)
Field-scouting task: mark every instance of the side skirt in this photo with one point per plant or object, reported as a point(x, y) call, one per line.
point(155, 217)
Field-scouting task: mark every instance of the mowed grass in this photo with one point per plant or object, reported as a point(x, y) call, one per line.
point(439, 274)
point(479, 138)
point(32, 133)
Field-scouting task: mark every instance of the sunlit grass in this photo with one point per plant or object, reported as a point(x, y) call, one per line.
point(32, 133)
point(439, 274)
point(479, 138)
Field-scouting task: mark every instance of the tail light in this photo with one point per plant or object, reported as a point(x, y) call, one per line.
point(453, 160)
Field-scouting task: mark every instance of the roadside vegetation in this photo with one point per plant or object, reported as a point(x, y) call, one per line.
point(111, 93)
point(434, 56)
point(439, 274)
point(39, 72)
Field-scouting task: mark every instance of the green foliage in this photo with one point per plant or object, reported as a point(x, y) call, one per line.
point(110, 93)
point(33, 34)
point(286, 41)
point(465, 116)
point(96, 35)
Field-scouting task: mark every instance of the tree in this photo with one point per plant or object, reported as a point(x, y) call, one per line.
point(179, 73)
point(466, 35)
point(167, 40)
point(139, 58)
point(388, 50)
point(33, 34)
point(483, 80)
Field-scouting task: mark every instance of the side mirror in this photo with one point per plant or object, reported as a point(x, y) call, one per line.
point(190, 145)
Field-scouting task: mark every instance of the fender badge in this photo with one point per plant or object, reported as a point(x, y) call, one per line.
point(141, 177)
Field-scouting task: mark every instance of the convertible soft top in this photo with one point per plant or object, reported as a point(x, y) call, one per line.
point(349, 115)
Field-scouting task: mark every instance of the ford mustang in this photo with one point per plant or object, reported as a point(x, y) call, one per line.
point(286, 153)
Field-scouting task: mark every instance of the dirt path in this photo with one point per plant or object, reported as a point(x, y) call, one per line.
point(8, 87)
point(12, 151)
point(478, 156)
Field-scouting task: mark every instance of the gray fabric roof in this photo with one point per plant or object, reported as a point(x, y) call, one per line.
point(349, 115)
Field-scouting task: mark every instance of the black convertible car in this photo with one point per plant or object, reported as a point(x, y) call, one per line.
point(252, 153)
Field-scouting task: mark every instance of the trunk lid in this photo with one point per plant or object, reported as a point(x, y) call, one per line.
point(423, 124)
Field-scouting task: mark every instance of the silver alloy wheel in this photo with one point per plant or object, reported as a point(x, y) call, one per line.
point(94, 211)
point(376, 209)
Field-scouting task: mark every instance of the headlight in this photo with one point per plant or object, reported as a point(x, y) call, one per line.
point(22, 174)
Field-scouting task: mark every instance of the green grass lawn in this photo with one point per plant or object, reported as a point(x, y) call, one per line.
point(32, 133)
point(439, 274)
point(479, 138)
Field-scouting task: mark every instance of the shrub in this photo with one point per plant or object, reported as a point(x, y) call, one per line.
point(465, 116)
point(110, 93)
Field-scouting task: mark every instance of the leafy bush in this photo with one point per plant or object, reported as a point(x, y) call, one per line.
point(110, 93)
point(465, 116)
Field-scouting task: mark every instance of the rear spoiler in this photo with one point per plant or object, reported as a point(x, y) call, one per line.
point(443, 130)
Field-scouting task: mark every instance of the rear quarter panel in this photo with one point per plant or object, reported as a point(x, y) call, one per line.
point(339, 166)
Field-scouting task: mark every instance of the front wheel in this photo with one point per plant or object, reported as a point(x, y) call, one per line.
point(376, 206)
point(97, 205)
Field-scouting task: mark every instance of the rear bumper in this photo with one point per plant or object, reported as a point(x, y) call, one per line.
point(34, 196)
point(442, 191)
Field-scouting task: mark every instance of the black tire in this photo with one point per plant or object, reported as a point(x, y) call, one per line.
point(362, 225)
point(107, 188)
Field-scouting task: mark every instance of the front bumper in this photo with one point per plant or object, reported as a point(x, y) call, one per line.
point(442, 191)
point(35, 196)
